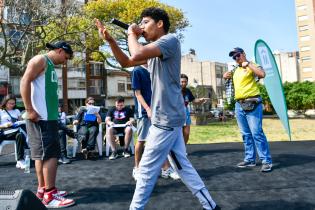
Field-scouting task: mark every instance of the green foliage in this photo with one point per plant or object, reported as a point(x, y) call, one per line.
point(300, 95)
point(230, 106)
point(80, 28)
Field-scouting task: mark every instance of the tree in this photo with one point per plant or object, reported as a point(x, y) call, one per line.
point(127, 11)
point(23, 32)
point(300, 95)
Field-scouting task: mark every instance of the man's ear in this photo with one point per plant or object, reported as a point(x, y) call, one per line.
point(160, 24)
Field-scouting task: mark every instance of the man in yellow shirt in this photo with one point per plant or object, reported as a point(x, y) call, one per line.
point(249, 110)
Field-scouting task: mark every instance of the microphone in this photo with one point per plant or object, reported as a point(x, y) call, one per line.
point(119, 23)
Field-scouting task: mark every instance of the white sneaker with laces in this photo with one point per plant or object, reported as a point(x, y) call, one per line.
point(174, 175)
point(53, 200)
point(20, 164)
point(169, 173)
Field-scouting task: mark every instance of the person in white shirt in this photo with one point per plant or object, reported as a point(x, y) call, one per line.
point(8, 116)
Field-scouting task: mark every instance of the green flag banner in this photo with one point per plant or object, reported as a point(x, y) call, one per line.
point(272, 81)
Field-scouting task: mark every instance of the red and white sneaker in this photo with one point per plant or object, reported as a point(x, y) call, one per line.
point(41, 190)
point(53, 200)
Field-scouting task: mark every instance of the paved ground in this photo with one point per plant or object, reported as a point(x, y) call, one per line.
point(104, 184)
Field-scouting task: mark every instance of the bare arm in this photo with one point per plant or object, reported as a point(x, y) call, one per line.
point(257, 70)
point(143, 103)
point(34, 68)
point(139, 52)
point(120, 56)
point(98, 118)
point(108, 121)
point(200, 100)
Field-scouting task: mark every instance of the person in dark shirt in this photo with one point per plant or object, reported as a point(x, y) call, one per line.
point(115, 116)
point(188, 97)
point(63, 132)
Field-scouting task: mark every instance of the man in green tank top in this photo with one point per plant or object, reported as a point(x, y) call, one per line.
point(39, 90)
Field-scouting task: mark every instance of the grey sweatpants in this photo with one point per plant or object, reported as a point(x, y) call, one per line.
point(160, 144)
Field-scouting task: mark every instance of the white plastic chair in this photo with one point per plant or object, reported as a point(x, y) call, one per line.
point(7, 142)
point(99, 141)
point(131, 145)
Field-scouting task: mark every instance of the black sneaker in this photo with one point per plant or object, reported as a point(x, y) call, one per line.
point(85, 153)
point(266, 167)
point(245, 164)
point(64, 160)
point(126, 154)
point(113, 156)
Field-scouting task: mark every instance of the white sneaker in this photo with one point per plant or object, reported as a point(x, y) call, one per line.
point(135, 173)
point(174, 175)
point(169, 173)
point(20, 164)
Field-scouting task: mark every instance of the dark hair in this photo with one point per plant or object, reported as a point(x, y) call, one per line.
point(6, 99)
point(89, 99)
point(120, 99)
point(184, 76)
point(157, 14)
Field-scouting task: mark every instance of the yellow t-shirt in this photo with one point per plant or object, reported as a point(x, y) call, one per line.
point(244, 83)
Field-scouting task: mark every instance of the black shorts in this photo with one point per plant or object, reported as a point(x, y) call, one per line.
point(119, 130)
point(43, 139)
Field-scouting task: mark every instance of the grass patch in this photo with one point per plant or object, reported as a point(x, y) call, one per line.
point(217, 132)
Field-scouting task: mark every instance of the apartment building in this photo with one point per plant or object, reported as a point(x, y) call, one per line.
point(205, 74)
point(305, 18)
point(288, 65)
point(119, 84)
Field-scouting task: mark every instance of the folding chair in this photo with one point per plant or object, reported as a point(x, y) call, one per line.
point(131, 145)
point(99, 141)
point(7, 142)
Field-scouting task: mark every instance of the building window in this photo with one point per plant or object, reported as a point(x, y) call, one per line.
point(307, 69)
point(121, 87)
point(306, 58)
point(76, 84)
point(310, 79)
point(305, 38)
point(303, 17)
point(96, 87)
point(302, 7)
point(129, 86)
point(306, 48)
point(96, 69)
point(219, 81)
point(304, 28)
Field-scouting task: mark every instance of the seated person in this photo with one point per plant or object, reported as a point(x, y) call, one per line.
point(8, 116)
point(119, 115)
point(63, 132)
point(88, 127)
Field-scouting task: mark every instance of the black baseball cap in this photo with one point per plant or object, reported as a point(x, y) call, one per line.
point(61, 44)
point(236, 50)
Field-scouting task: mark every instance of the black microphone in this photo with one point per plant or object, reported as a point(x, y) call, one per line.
point(119, 23)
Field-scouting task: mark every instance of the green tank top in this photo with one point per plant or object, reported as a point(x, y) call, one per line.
point(51, 89)
point(45, 92)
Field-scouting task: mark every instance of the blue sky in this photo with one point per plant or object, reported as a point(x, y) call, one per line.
point(219, 25)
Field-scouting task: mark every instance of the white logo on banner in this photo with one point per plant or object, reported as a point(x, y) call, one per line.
point(264, 57)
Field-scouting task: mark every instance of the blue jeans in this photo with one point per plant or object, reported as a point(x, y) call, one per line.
point(250, 124)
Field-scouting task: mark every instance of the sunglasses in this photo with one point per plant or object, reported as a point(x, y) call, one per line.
point(90, 103)
point(236, 56)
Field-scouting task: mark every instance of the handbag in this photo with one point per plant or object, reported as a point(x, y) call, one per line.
point(249, 104)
